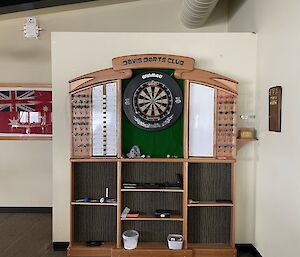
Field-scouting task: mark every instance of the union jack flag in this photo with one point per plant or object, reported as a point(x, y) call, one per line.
point(16, 104)
point(17, 100)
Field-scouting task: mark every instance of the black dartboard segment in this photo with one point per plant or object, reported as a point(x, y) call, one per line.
point(152, 101)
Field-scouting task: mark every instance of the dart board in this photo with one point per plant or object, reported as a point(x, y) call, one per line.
point(152, 101)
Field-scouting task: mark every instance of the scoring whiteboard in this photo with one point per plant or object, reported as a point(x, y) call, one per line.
point(201, 120)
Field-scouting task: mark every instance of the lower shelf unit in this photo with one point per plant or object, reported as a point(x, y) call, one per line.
point(152, 250)
point(203, 208)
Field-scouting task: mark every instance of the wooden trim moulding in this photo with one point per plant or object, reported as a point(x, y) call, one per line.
point(29, 137)
point(209, 78)
point(25, 85)
point(90, 79)
point(153, 61)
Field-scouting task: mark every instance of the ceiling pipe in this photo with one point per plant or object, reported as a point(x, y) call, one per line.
point(196, 12)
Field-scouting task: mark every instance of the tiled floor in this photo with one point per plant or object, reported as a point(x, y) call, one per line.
point(29, 235)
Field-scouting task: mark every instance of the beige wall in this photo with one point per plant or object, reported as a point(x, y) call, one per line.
point(233, 55)
point(277, 225)
point(26, 174)
point(26, 166)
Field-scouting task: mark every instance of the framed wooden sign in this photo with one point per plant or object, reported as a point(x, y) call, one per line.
point(275, 100)
point(25, 111)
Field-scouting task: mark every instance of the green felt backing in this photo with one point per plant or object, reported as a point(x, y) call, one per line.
point(153, 143)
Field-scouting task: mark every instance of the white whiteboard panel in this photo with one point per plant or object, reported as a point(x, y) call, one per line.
point(111, 119)
point(201, 120)
point(104, 116)
point(97, 97)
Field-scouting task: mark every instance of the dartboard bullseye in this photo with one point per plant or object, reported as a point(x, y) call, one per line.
point(152, 101)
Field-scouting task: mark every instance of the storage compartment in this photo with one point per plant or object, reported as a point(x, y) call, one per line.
point(95, 223)
point(151, 172)
point(148, 202)
point(209, 225)
point(91, 179)
point(210, 181)
point(157, 174)
point(154, 231)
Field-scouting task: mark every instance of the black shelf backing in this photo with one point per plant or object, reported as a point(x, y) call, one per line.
point(209, 181)
point(91, 179)
point(151, 172)
point(148, 202)
point(209, 225)
point(95, 223)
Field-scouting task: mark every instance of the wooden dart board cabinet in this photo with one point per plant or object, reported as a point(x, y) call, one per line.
point(184, 121)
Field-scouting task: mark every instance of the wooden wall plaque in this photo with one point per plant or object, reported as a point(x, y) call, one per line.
point(275, 100)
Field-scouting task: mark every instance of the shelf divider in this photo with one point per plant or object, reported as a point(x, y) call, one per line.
point(145, 217)
point(152, 190)
point(94, 204)
point(119, 207)
point(210, 204)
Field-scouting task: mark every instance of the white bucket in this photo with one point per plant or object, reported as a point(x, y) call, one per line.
point(130, 239)
point(175, 241)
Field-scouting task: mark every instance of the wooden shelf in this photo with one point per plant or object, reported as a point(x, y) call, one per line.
point(152, 159)
point(80, 249)
point(190, 159)
point(209, 160)
point(209, 246)
point(153, 250)
point(95, 159)
point(95, 204)
point(240, 142)
point(152, 190)
point(145, 217)
point(211, 204)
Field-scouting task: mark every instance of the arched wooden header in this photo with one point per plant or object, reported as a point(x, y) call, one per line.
point(184, 69)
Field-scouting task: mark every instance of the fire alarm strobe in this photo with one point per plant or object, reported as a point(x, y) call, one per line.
point(152, 101)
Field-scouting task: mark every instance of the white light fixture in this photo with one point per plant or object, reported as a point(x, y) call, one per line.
point(31, 28)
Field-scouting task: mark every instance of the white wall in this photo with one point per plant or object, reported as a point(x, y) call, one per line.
point(29, 61)
point(277, 226)
point(74, 54)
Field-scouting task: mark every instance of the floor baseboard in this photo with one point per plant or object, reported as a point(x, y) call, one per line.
point(60, 246)
point(248, 248)
point(25, 209)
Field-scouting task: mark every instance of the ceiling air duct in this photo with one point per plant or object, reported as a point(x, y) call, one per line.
point(195, 12)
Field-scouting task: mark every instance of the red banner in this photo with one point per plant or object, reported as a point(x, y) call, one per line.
point(26, 112)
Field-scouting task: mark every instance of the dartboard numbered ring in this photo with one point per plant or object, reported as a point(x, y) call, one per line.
point(152, 101)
